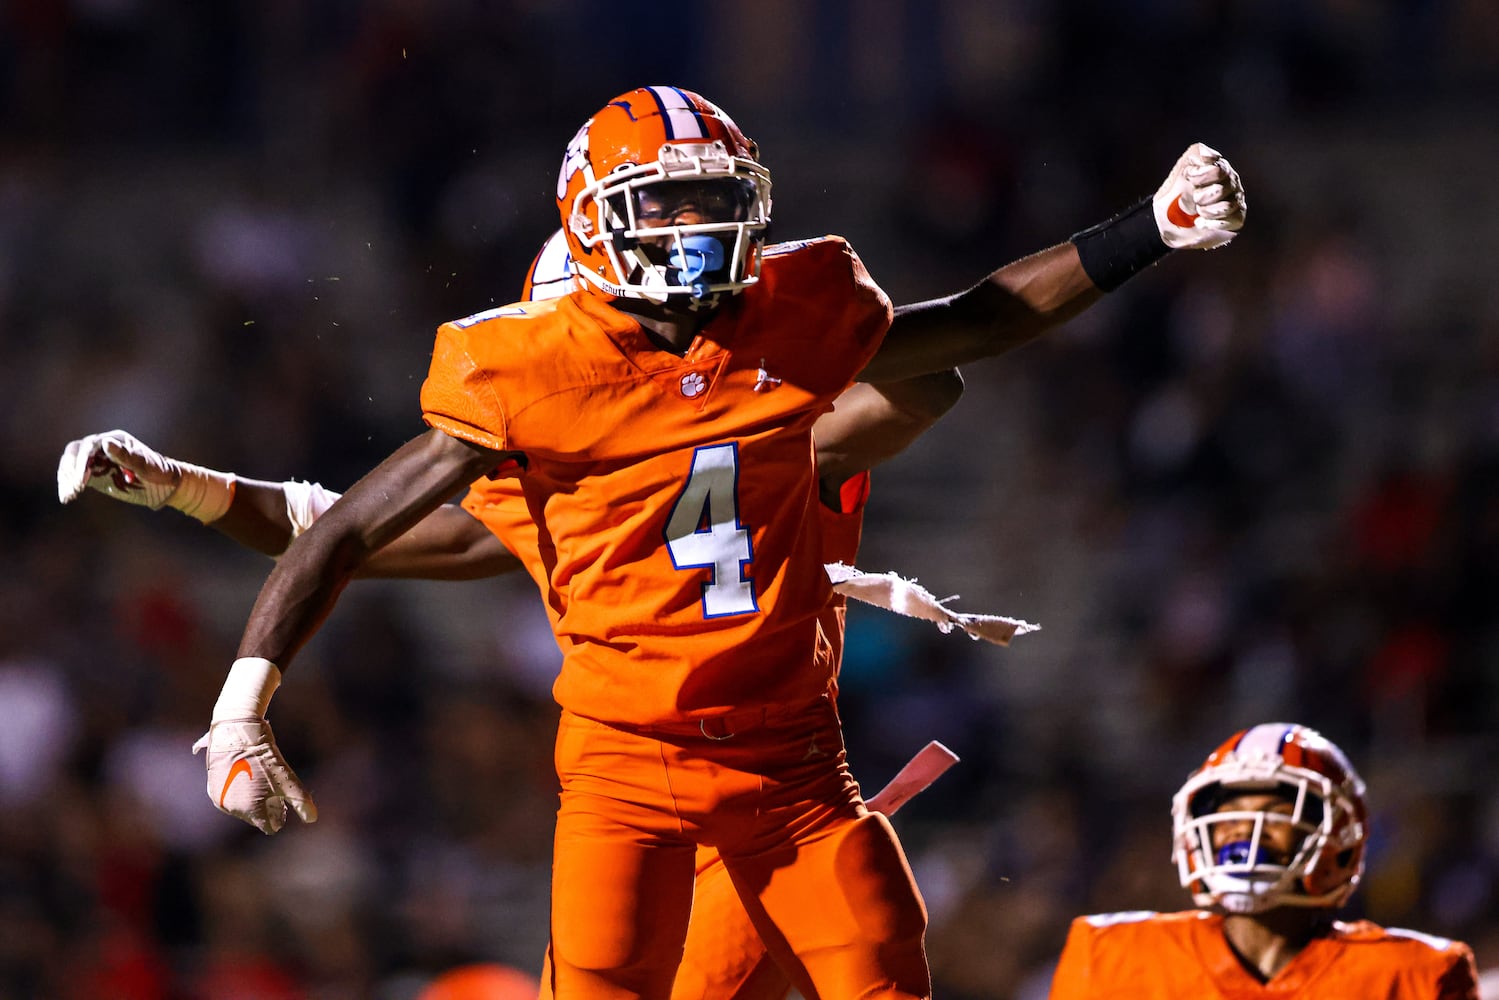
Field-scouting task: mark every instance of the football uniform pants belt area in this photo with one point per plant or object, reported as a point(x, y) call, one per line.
point(824, 880)
point(730, 724)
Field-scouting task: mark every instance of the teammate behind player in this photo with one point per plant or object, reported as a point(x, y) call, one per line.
point(1270, 837)
point(723, 957)
point(660, 424)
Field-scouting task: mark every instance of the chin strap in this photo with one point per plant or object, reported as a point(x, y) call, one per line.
point(695, 257)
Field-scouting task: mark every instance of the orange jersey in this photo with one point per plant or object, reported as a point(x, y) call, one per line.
point(1169, 956)
point(500, 505)
point(674, 497)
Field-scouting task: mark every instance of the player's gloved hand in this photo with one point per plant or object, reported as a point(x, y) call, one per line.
point(1201, 204)
point(247, 776)
point(118, 465)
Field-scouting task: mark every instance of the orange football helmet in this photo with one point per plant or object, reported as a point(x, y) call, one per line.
point(634, 148)
point(1328, 813)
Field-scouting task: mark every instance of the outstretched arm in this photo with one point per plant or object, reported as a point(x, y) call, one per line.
point(448, 544)
point(1012, 306)
point(382, 506)
point(1199, 206)
point(247, 776)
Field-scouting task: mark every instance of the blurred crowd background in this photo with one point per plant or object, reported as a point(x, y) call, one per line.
point(1257, 484)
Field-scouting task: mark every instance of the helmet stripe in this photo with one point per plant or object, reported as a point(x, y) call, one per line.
point(682, 118)
point(1263, 741)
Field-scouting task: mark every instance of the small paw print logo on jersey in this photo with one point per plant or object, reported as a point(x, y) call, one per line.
point(693, 384)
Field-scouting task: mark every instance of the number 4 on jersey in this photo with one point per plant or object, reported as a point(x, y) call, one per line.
point(704, 531)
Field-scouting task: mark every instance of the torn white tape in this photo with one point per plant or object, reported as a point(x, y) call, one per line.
point(907, 597)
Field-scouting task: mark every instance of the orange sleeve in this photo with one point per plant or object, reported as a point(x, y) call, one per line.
point(871, 311)
point(823, 299)
point(458, 397)
point(1406, 964)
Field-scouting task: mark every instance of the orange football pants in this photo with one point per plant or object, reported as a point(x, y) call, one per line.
point(823, 881)
point(723, 958)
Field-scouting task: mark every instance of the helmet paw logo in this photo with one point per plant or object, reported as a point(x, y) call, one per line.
point(693, 384)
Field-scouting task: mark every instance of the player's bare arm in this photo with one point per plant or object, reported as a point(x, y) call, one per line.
point(256, 517)
point(1199, 206)
point(389, 501)
point(873, 422)
point(447, 544)
point(1011, 307)
point(247, 776)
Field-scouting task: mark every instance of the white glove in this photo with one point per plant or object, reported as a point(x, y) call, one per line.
point(1201, 204)
point(118, 465)
point(247, 776)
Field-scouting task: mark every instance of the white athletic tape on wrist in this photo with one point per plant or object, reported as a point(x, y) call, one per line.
point(305, 503)
point(203, 493)
point(907, 597)
point(247, 690)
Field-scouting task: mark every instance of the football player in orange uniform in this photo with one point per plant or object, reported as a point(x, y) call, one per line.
point(724, 958)
point(659, 421)
point(1270, 836)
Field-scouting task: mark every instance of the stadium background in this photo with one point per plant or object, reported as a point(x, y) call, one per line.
point(1258, 484)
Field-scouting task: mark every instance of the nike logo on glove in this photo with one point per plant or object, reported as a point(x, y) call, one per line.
point(1178, 216)
point(246, 746)
point(240, 767)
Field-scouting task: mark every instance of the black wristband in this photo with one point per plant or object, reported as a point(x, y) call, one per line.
point(1114, 251)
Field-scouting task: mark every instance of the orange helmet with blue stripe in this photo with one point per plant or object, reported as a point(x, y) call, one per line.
point(646, 146)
